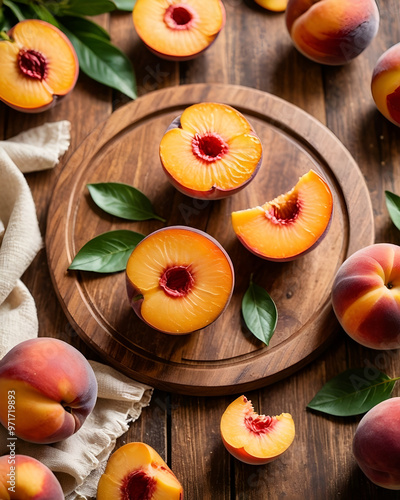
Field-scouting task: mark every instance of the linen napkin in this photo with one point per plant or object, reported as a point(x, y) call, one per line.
point(79, 460)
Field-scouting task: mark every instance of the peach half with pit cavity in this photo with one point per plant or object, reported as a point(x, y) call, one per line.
point(178, 30)
point(179, 279)
point(290, 225)
point(211, 151)
point(255, 439)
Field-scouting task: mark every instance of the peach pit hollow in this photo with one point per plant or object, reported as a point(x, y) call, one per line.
point(177, 281)
point(32, 64)
point(284, 209)
point(209, 147)
point(180, 17)
point(138, 485)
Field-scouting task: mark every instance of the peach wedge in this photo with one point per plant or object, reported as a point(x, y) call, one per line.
point(210, 151)
point(291, 224)
point(255, 439)
point(178, 30)
point(137, 472)
point(179, 280)
point(38, 66)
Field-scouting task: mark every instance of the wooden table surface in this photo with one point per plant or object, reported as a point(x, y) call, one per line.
point(253, 50)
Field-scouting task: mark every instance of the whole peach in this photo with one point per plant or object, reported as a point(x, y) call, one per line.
point(366, 298)
point(385, 84)
point(49, 387)
point(332, 31)
point(376, 444)
point(23, 477)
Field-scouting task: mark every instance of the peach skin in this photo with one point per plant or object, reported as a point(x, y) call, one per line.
point(38, 66)
point(273, 5)
point(366, 296)
point(54, 389)
point(137, 472)
point(385, 84)
point(332, 31)
point(255, 439)
point(376, 444)
point(25, 478)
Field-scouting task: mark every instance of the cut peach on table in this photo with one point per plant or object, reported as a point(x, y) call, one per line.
point(25, 478)
point(38, 66)
point(291, 224)
point(273, 5)
point(210, 151)
point(179, 280)
point(137, 472)
point(385, 84)
point(255, 439)
point(178, 29)
point(332, 31)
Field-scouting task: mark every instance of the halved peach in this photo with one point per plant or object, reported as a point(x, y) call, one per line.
point(252, 438)
point(38, 65)
point(274, 5)
point(290, 225)
point(210, 151)
point(178, 30)
point(137, 472)
point(179, 279)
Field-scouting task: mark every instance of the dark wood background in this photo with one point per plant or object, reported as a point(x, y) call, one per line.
point(254, 50)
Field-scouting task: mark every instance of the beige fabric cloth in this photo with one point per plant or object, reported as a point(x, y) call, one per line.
point(79, 460)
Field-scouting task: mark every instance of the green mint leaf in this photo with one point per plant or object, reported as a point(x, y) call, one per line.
point(125, 4)
point(259, 312)
point(82, 25)
point(107, 253)
point(85, 8)
point(122, 200)
point(393, 206)
point(353, 392)
point(103, 62)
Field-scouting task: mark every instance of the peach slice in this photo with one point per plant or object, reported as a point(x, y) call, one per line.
point(178, 30)
point(274, 5)
point(38, 66)
point(210, 151)
point(25, 478)
point(290, 225)
point(137, 472)
point(385, 84)
point(252, 438)
point(179, 280)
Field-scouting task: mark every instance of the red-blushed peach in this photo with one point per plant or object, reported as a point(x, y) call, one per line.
point(179, 280)
point(366, 296)
point(25, 478)
point(178, 30)
point(376, 444)
point(137, 472)
point(38, 66)
point(210, 151)
point(332, 31)
point(385, 84)
point(252, 438)
point(54, 389)
point(273, 5)
point(289, 226)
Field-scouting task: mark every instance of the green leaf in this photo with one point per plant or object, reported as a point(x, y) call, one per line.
point(393, 206)
point(107, 253)
point(14, 9)
point(125, 4)
point(353, 393)
point(44, 14)
point(259, 312)
point(103, 62)
point(85, 8)
point(78, 24)
point(122, 200)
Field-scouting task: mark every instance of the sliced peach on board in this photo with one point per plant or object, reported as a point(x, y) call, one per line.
point(179, 280)
point(255, 439)
point(274, 5)
point(178, 29)
point(137, 472)
point(210, 151)
point(290, 225)
point(38, 66)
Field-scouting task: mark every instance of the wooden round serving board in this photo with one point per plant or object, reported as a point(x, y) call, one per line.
point(224, 358)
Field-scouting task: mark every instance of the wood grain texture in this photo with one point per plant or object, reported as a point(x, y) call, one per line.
point(210, 361)
point(255, 50)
